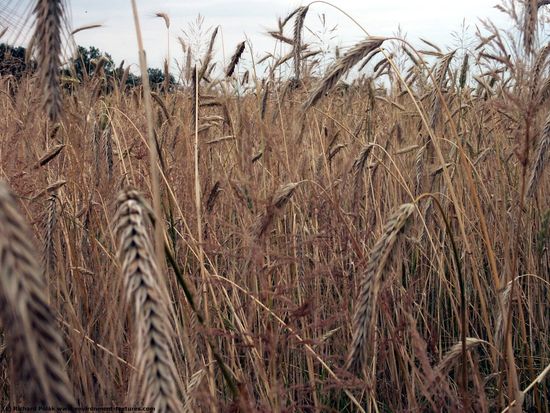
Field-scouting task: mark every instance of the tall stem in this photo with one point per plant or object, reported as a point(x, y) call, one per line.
point(153, 150)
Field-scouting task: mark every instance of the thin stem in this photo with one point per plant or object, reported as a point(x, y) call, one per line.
point(153, 151)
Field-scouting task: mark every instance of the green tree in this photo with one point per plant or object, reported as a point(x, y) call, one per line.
point(13, 62)
point(85, 62)
point(156, 78)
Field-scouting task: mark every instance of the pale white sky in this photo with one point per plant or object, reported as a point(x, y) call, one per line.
point(431, 19)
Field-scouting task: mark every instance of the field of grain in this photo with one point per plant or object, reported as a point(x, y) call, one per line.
point(289, 242)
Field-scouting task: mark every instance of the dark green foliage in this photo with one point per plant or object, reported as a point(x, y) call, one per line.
point(82, 66)
point(85, 62)
point(12, 61)
point(156, 78)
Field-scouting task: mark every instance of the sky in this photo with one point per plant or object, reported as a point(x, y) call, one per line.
point(434, 20)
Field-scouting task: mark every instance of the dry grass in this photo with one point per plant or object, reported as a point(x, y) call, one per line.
point(280, 278)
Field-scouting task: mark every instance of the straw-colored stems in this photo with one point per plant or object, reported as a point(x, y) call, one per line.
point(541, 158)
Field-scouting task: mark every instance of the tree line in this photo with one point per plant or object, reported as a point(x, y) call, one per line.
point(85, 63)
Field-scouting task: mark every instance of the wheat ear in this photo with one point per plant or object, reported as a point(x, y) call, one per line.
point(29, 321)
point(455, 352)
point(367, 48)
point(208, 55)
point(440, 75)
point(275, 207)
point(157, 382)
point(538, 68)
point(370, 285)
point(192, 385)
point(235, 59)
point(500, 322)
point(529, 24)
point(47, 37)
point(298, 27)
point(165, 17)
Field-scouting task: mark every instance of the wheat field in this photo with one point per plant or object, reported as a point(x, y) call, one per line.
point(370, 235)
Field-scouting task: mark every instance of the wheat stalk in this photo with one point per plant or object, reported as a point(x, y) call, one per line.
point(540, 160)
point(96, 146)
point(33, 335)
point(419, 164)
point(50, 225)
point(157, 382)
point(370, 285)
point(108, 149)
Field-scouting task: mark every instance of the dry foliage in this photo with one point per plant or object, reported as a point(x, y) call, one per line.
point(281, 276)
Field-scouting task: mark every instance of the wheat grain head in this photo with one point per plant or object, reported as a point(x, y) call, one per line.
point(235, 59)
point(157, 383)
point(47, 36)
point(28, 319)
point(367, 48)
point(370, 285)
point(298, 26)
